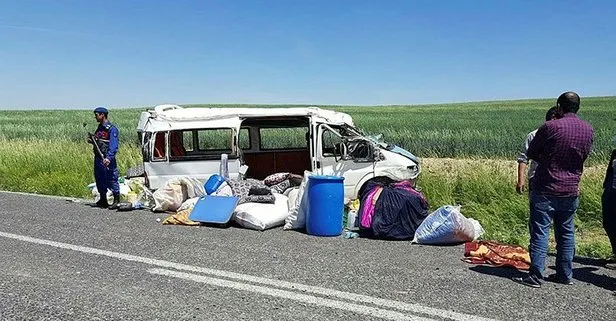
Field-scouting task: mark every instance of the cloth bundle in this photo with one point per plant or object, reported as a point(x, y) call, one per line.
point(281, 182)
point(496, 254)
point(251, 191)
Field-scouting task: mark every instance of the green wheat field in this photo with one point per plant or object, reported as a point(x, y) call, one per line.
point(468, 153)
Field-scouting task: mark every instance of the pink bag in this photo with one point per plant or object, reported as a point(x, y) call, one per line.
point(368, 207)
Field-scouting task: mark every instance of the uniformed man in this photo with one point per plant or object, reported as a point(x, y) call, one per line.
point(107, 137)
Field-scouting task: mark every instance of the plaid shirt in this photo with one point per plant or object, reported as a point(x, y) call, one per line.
point(560, 147)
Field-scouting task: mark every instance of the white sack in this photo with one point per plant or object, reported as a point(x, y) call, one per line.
point(292, 195)
point(175, 191)
point(189, 203)
point(297, 213)
point(447, 225)
point(262, 216)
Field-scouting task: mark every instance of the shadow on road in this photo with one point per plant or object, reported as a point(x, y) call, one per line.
point(503, 272)
point(586, 260)
point(587, 274)
point(591, 274)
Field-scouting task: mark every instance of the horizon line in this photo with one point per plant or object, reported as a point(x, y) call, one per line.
point(193, 105)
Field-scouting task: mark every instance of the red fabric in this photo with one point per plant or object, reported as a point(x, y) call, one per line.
point(496, 254)
point(177, 144)
point(159, 146)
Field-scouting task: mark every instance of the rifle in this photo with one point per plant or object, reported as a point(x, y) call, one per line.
point(94, 142)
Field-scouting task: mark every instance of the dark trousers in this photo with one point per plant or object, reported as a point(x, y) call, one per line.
point(106, 178)
point(608, 204)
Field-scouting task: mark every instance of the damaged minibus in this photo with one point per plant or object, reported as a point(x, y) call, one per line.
point(177, 141)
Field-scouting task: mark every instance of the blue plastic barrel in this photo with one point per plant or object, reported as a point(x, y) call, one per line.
point(213, 183)
point(325, 205)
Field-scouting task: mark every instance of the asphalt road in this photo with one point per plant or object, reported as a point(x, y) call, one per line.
point(64, 261)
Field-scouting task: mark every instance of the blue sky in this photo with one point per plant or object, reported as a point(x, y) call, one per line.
point(120, 53)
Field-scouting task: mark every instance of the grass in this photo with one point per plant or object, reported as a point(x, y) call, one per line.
point(484, 129)
point(53, 168)
point(487, 129)
point(468, 152)
point(485, 190)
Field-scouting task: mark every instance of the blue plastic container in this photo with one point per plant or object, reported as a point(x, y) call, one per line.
point(325, 205)
point(213, 183)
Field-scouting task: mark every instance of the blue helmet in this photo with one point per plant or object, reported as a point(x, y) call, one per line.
point(101, 110)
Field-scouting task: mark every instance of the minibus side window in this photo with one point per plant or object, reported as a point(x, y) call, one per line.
point(214, 139)
point(160, 147)
point(331, 142)
point(187, 140)
point(283, 138)
point(145, 149)
point(200, 144)
point(245, 139)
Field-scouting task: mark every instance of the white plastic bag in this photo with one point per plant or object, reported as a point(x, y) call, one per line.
point(262, 216)
point(297, 213)
point(447, 225)
point(477, 229)
point(124, 190)
point(189, 203)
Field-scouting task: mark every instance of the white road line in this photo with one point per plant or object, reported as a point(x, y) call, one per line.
point(398, 305)
point(46, 196)
point(310, 299)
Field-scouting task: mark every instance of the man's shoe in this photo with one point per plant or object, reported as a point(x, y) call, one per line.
point(116, 202)
point(528, 281)
point(555, 279)
point(101, 204)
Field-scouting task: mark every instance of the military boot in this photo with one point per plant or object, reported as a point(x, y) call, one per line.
point(116, 202)
point(102, 203)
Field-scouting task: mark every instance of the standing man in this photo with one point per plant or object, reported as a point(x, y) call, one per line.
point(523, 159)
point(561, 147)
point(107, 137)
point(608, 205)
